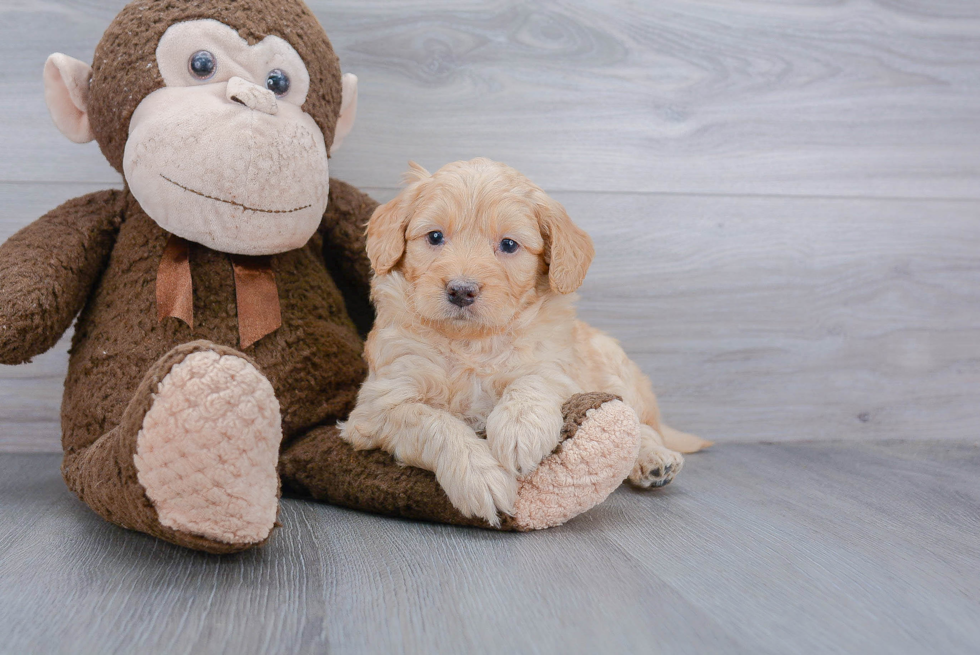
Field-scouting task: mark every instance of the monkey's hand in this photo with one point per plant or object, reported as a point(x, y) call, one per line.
point(48, 269)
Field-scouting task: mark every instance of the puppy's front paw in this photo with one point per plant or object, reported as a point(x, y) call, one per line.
point(656, 466)
point(361, 429)
point(522, 434)
point(479, 486)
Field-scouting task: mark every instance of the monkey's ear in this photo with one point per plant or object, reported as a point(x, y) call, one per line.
point(386, 234)
point(348, 110)
point(568, 248)
point(66, 82)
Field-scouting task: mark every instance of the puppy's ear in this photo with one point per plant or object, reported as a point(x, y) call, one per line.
point(568, 249)
point(386, 234)
point(415, 173)
point(387, 225)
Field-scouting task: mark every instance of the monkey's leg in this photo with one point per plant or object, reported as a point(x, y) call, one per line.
point(599, 446)
point(193, 460)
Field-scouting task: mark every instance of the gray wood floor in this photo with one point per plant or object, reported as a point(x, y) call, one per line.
point(792, 548)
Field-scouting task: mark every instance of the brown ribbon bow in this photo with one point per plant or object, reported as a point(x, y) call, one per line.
point(255, 291)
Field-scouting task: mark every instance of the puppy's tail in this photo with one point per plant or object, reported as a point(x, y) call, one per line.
point(682, 442)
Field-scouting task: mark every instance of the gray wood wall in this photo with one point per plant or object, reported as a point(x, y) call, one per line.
point(785, 196)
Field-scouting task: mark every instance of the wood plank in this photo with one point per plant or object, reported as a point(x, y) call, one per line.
point(29, 32)
point(833, 534)
point(754, 549)
point(772, 319)
point(681, 96)
point(759, 319)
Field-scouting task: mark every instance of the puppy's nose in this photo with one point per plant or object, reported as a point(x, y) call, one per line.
point(462, 294)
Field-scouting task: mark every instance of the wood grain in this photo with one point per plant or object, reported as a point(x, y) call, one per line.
point(764, 319)
point(754, 549)
point(811, 97)
point(758, 319)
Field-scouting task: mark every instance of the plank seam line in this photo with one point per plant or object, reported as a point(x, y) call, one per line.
point(666, 194)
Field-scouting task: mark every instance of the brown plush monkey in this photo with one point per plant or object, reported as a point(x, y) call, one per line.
point(223, 293)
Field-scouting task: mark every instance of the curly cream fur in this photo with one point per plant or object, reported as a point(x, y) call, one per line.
point(442, 375)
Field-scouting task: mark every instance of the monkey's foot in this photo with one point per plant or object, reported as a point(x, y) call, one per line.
point(207, 450)
point(602, 442)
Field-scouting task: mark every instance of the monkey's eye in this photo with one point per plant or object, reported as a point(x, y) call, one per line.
point(277, 82)
point(435, 238)
point(202, 64)
point(509, 246)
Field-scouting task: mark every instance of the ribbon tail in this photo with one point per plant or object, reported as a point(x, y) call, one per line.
point(257, 296)
point(175, 290)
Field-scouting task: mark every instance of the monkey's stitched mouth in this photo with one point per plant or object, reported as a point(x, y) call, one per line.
point(232, 202)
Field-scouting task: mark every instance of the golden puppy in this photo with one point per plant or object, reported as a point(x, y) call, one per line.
point(476, 334)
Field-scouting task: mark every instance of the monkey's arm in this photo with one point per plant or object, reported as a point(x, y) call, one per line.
point(47, 271)
point(343, 248)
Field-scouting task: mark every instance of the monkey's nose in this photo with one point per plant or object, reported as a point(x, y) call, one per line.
point(462, 293)
point(252, 96)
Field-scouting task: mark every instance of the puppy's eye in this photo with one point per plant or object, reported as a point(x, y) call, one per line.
point(435, 238)
point(509, 246)
point(202, 64)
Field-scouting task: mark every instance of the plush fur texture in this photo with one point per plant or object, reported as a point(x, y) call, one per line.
point(105, 475)
point(597, 449)
point(148, 445)
point(208, 449)
point(444, 370)
point(125, 68)
point(48, 269)
point(222, 161)
point(313, 361)
point(577, 476)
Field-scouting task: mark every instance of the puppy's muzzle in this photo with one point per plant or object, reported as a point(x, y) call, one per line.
point(461, 293)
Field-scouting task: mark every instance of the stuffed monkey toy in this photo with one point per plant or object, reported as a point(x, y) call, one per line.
point(222, 295)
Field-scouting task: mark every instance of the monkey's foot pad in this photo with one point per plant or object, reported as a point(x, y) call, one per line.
point(208, 448)
point(583, 471)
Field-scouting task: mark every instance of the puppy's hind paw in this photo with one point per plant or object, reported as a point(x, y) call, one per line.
point(655, 467)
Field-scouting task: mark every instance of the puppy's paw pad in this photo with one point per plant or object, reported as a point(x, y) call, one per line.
point(656, 468)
